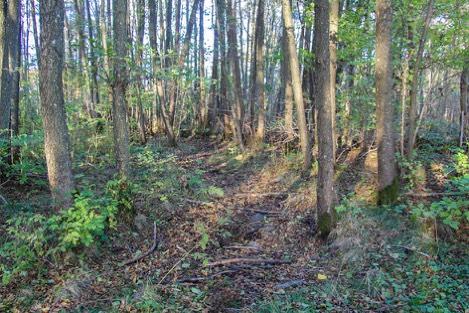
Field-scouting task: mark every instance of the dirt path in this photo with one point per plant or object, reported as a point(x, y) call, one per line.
point(255, 244)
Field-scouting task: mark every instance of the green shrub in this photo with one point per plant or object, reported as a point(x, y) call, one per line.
point(33, 238)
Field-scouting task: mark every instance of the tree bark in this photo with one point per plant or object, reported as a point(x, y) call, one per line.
point(214, 96)
point(237, 108)
point(119, 86)
point(287, 86)
point(56, 140)
point(387, 170)
point(35, 34)
point(15, 51)
point(92, 58)
point(464, 104)
point(139, 63)
point(296, 84)
point(323, 103)
point(334, 27)
point(202, 96)
point(259, 49)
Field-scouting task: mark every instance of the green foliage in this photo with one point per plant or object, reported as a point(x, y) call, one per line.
point(33, 238)
point(29, 168)
point(121, 192)
point(451, 211)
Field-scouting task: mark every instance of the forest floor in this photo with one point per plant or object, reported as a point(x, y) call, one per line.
point(236, 233)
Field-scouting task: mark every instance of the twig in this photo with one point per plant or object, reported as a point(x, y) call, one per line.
point(414, 250)
point(5, 202)
point(260, 194)
point(203, 278)
point(247, 260)
point(176, 264)
point(242, 247)
point(153, 248)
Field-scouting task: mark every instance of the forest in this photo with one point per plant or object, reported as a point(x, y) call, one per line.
point(234, 156)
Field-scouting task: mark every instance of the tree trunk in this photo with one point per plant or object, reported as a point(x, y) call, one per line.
point(139, 63)
point(334, 27)
point(464, 103)
point(415, 79)
point(56, 141)
point(35, 34)
point(237, 108)
point(323, 103)
point(287, 86)
point(259, 38)
point(214, 96)
point(202, 97)
point(92, 57)
point(296, 84)
point(15, 51)
point(119, 86)
point(387, 171)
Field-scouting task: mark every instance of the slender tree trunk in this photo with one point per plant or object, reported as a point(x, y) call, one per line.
point(387, 170)
point(35, 33)
point(139, 63)
point(323, 102)
point(287, 86)
point(334, 27)
point(404, 92)
point(92, 57)
point(119, 86)
point(224, 101)
point(296, 84)
point(259, 38)
point(415, 79)
point(15, 93)
point(464, 103)
point(237, 108)
point(56, 141)
point(202, 96)
point(214, 96)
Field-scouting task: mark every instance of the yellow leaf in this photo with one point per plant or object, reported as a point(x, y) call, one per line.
point(322, 277)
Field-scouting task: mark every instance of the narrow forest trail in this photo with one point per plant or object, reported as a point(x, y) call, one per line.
point(253, 251)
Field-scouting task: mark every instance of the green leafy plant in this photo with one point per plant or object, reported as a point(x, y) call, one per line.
point(33, 238)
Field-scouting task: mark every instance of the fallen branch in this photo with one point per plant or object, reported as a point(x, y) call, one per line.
point(149, 251)
point(204, 278)
point(412, 249)
point(247, 260)
point(436, 194)
point(5, 202)
point(260, 194)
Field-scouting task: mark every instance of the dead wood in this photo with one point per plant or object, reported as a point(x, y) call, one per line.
point(149, 251)
point(247, 260)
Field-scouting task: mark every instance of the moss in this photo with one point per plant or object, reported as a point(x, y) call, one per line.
point(325, 224)
point(388, 195)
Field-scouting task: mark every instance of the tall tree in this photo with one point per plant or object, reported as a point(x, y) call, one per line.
point(237, 107)
point(464, 104)
point(296, 83)
point(334, 27)
point(119, 86)
point(15, 51)
point(56, 140)
point(259, 57)
point(387, 171)
point(9, 28)
point(139, 63)
point(202, 97)
point(323, 103)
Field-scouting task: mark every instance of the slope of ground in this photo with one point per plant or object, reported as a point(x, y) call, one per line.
point(236, 233)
